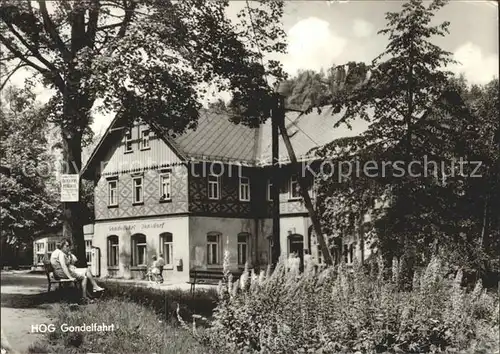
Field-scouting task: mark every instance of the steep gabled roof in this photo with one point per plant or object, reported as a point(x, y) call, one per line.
point(218, 139)
point(309, 131)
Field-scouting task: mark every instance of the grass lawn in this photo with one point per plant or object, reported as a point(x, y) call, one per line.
point(138, 329)
point(164, 302)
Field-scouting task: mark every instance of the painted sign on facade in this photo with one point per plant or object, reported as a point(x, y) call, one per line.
point(137, 227)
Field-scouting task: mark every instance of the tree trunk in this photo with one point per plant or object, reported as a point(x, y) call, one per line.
point(15, 256)
point(72, 211)
point(359, 230)
point(407, 269)
point(409, 255)
point(277, 116)
point(387, 259)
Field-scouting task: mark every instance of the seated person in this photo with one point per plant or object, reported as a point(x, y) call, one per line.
point(154, 272)
point(63, 262)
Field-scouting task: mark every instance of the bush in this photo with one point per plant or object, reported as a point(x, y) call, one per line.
point(163, 302)
point(341, 310)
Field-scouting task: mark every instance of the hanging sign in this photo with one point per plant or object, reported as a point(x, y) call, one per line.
point(69, 188)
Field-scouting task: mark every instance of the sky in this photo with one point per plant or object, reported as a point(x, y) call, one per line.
point(322, 33)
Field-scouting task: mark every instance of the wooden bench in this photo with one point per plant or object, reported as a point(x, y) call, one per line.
point(51, 279)
point(208, 276)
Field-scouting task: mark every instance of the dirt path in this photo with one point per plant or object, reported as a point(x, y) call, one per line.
point(23, 305)
point(17, 323)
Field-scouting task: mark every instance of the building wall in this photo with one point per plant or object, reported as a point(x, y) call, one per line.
point(151, 228)
point(259, 245)
point(229, 228)
point(190, 213)
point(292, 225)
point(45, 242)
point(189, 186)
point(263, 249)
point(289, 225)
point(151, 195)
point(146, 162)
point(190, 242)
point(50, 243)
point(289, 205)
point(159, 154)
point(229, 203)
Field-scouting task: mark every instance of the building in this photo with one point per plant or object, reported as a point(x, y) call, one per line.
point(45, 244)
point(194, 196)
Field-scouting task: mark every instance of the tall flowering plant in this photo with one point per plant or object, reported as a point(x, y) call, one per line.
point(348, 310)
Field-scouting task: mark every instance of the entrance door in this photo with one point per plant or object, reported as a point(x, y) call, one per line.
point(296, 245)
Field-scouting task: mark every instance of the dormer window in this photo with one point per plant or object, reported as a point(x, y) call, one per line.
point(145, 139)
point(128, 140)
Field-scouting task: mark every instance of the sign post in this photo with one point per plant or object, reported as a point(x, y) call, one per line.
point(70, 188)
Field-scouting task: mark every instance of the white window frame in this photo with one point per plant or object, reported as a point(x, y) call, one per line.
point(213, 187)
point(294, 181)
point(136, 250)
point(145, 138)
point(39, 252)
point(113, 197)
point(49, 244)
point(40, 247)
point(269, 190)
point(244, 189)
point(214, 246)
point(51, 247)
point(243, 249)
point(113, 250)
point(128, 141)
point(167, 248)
point(134, 187)
point(162, 178)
